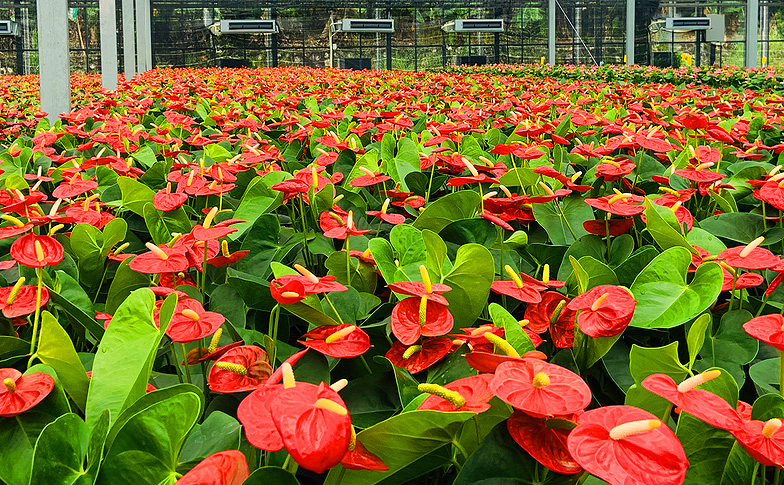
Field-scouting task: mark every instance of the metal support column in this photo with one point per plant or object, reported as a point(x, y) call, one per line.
point(551, 32)
point(143, 36)
point(53, 57)
point(630, 18)
point(129, 39)
point(752, 24)
point(19, 42)
point(108, 27)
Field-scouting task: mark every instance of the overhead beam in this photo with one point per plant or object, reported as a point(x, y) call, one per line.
point(53, 57)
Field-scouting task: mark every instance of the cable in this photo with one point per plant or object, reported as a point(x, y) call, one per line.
point(576, 32)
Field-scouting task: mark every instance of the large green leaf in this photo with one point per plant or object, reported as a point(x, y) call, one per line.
point(135, 195)
point(268, 475)
point(664, 299)
point(122, 358)
point(449, 208)
point(399, 258)
point(87, 246)
point(567, 228)
point(663, 226)
point(146, 448)
point(470, 280)
point(739, 227)
point(163, 224)
point(218, 432)
point(695, 337)
point(363, 275)
point(513, 332)
point(739, 468)
point(401, 442)
point(644, 362)
point(706, 447)
point(125, 281)
point(70, 296)
point(68, 453)
point(258, 199)
point(56, 350)
point(730, 347)
point(437, 261)
point(18, 435)
point(500, 460)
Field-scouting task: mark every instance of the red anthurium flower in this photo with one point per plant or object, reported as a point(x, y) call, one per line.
point(496, 220)
point(527, 292)
point(763, 440)
point(191, 321)
point(700, 403)
point(288, 290)
point(166, 200)
point(746, 280)
point(612, 170)
point(552, 313)
point(20, 393)
point(471, 393)
point(699, 174)
point(544, 443)
point(386, 217)
point(750, 256)
point(605, 310)
point(415, 358)
point(37, 251)
point(160, 259)
point(616, 226)
point(540, 388)
point(624, 445)
point(346, 228)
point(240, 369)
point(74, 187)
point(359, 458)
point(19, 300)
point(222, 468)
point(370, 178)
point(200, 354)
point(414, 317)
point(256, 417)
point(226, 258)
point(431, 291)
point(338, 341)
point(768, 328)
point(619, 204)
point(489, 362)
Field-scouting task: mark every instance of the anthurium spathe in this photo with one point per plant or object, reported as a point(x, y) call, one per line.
point(624, 445)
point(240, 369)
point(767, 328)
point(540, 388)
point(604, 311)
point(426, 289)
point(160, 259)
point(750, 256)
point(221, 468)
point(545, 440)
point(338, 341)
point(19, 300)
point(763, 440)
point(471, 393)
point(413, 318)
point(20, 393)
point(418, 357)
point(191, 321)
point(37, 251)
point(699, 403)
point(525, 291)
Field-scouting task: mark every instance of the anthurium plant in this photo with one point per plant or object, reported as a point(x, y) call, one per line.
point(518, 274)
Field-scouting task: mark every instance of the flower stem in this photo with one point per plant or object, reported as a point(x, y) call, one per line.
point(187, 366)
point(174, 361)
point(273, 331)
point(326, 297)
point(37, 317)
point(348, 261)
point(781, 373)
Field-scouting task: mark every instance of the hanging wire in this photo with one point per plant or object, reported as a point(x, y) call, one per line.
point(576, 32)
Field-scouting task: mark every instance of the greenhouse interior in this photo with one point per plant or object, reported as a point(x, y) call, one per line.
point(394, 242)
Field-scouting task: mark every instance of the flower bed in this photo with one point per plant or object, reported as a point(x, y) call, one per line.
point(263, 276)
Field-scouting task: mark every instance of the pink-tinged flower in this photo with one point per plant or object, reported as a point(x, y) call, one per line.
point(222, 468)
point(20, 393)
point(624, 445)
point(767, 328)
point(240, 369)
point(471, 393)
point(37, 251)
point(416, 358)
point(338, 341)
point(701, 404)
point(540, 388)
point(605, 310)
point(544, 443)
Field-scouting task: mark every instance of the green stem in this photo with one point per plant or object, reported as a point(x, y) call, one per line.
point(348, 261)
point(781, 373)
point(563, 216)
point(607, 230)
point(340, 475)
point(37, 317)
point(367, 366)
point(204, 273)
point(326, 297)
point(174, 361)
point(273, 331)
point(430, 183)
point(187, 366)
point(290, 465)
point(103, 278)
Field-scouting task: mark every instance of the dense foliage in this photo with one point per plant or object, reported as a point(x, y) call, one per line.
point(329, 276)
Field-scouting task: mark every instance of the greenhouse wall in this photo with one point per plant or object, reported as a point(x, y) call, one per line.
point(184, 34)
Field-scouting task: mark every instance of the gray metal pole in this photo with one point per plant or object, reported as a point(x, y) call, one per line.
point(108, 26)
point(551, 32)
point(630, 18)
point(752, 23)
point(129, 38)
point(148, 35)
point(143, 36)
point(55, 69)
